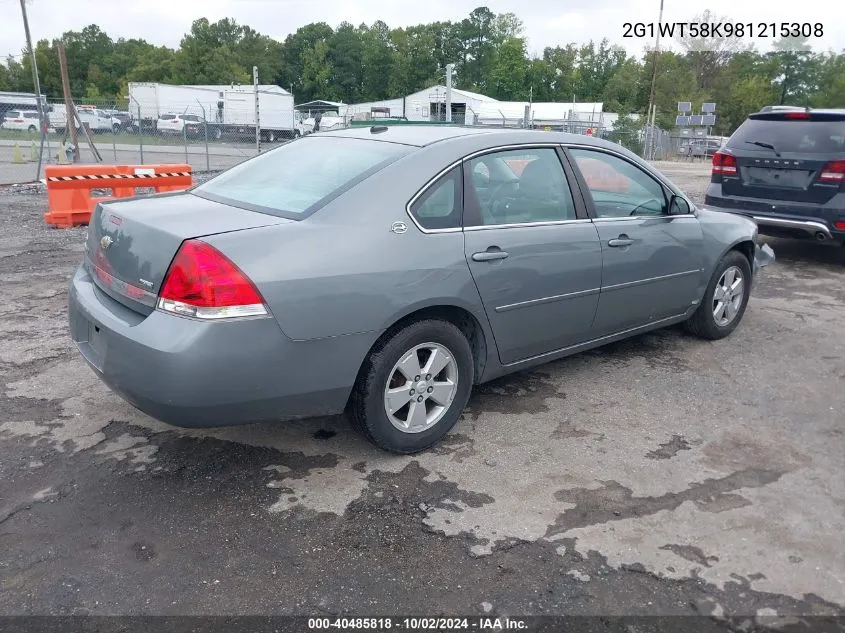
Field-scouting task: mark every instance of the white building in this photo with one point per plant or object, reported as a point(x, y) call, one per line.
point(471, 108)
point(428, 104)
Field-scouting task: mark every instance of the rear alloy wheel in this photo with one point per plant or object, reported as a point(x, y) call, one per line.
point(725, 299)
point(412, 389)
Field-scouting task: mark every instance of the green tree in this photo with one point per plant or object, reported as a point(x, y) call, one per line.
point(798, 70)
point(595, 67)
point(414, 66)
point(317, 72)
point(748, 95)
point(831, 82)
point(622, 91)
point(293, 55)
point(376, 61)
point(506, 78)
point(675, 82)
point(561, 69)
point(478, 35)
point(345, 55)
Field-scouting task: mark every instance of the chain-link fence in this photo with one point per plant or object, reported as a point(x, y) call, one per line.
point(126, 132)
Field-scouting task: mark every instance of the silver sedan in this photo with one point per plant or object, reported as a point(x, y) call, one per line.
point(384, 271)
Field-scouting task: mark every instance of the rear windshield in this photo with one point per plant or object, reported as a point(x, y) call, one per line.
point(298, 178)
point(808, 137)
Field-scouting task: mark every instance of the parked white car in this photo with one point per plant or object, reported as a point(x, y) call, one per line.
point(96, 119)
point(21, 120)
point(330, 120)
point(175, 124)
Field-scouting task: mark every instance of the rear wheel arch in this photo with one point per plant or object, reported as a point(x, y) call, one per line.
point(460, 317)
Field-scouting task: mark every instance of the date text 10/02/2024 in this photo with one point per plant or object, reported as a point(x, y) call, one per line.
point(418, 624)
point(750, 30)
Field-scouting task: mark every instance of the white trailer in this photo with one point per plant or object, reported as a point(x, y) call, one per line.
point(227, 110)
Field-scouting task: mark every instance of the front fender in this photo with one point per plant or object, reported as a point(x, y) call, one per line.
point(722, 232)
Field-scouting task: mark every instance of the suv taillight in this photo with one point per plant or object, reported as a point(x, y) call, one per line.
point(833, 172)
point(205, 284)
point(724, 164)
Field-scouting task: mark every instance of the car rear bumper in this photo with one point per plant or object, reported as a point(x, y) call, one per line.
point(778, 218)
point(194, 374)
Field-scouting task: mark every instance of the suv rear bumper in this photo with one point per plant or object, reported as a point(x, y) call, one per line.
point(778, 219)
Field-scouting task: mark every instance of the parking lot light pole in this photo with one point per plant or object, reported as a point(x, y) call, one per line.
point(650, 116)
point(37, 84)
point(450, 68)
point(205, 129)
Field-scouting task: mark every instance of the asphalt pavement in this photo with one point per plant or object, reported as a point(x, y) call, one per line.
point(660, 475)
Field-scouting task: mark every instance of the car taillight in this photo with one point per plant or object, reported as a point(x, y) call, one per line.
point(833, 172)
point(797, 115)
point(205, 284)
point(724, 164)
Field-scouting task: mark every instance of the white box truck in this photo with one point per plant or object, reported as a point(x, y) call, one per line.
point(229, 111)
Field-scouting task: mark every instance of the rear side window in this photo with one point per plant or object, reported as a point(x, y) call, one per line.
point(296, 179)
point(808, 137)
point(168, 116)
point(439, 207)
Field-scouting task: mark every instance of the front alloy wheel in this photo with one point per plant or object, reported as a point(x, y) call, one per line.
point(725, 298)
point(728, 296)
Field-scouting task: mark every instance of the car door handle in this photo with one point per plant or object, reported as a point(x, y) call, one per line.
point(489, 256)
point(622, 240)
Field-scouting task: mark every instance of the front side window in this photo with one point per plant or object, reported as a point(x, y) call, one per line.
point(618, 188)
point(518, 186)
point(439, 207)
point(297, 178)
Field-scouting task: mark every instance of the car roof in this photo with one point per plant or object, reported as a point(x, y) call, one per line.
point(423, 135)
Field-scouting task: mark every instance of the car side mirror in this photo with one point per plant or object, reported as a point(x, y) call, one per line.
point(679, 206)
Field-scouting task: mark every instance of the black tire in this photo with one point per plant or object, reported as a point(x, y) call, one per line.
point(32, 129)
point(115, 128)
point(703, 323)
point(366, 404)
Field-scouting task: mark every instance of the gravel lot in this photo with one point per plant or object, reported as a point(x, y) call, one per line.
point(661, 475)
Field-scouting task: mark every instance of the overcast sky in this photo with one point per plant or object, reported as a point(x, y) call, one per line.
point(547, 22)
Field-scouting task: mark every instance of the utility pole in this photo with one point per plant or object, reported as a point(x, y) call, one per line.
point(257, 113)
point(651, 105)
point(41, 120)
point(450, 68)
point(70, 122)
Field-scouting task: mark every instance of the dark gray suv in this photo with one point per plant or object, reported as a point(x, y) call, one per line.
point(785, 168)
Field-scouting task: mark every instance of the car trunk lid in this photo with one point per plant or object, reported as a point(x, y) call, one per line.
point(131, 243)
